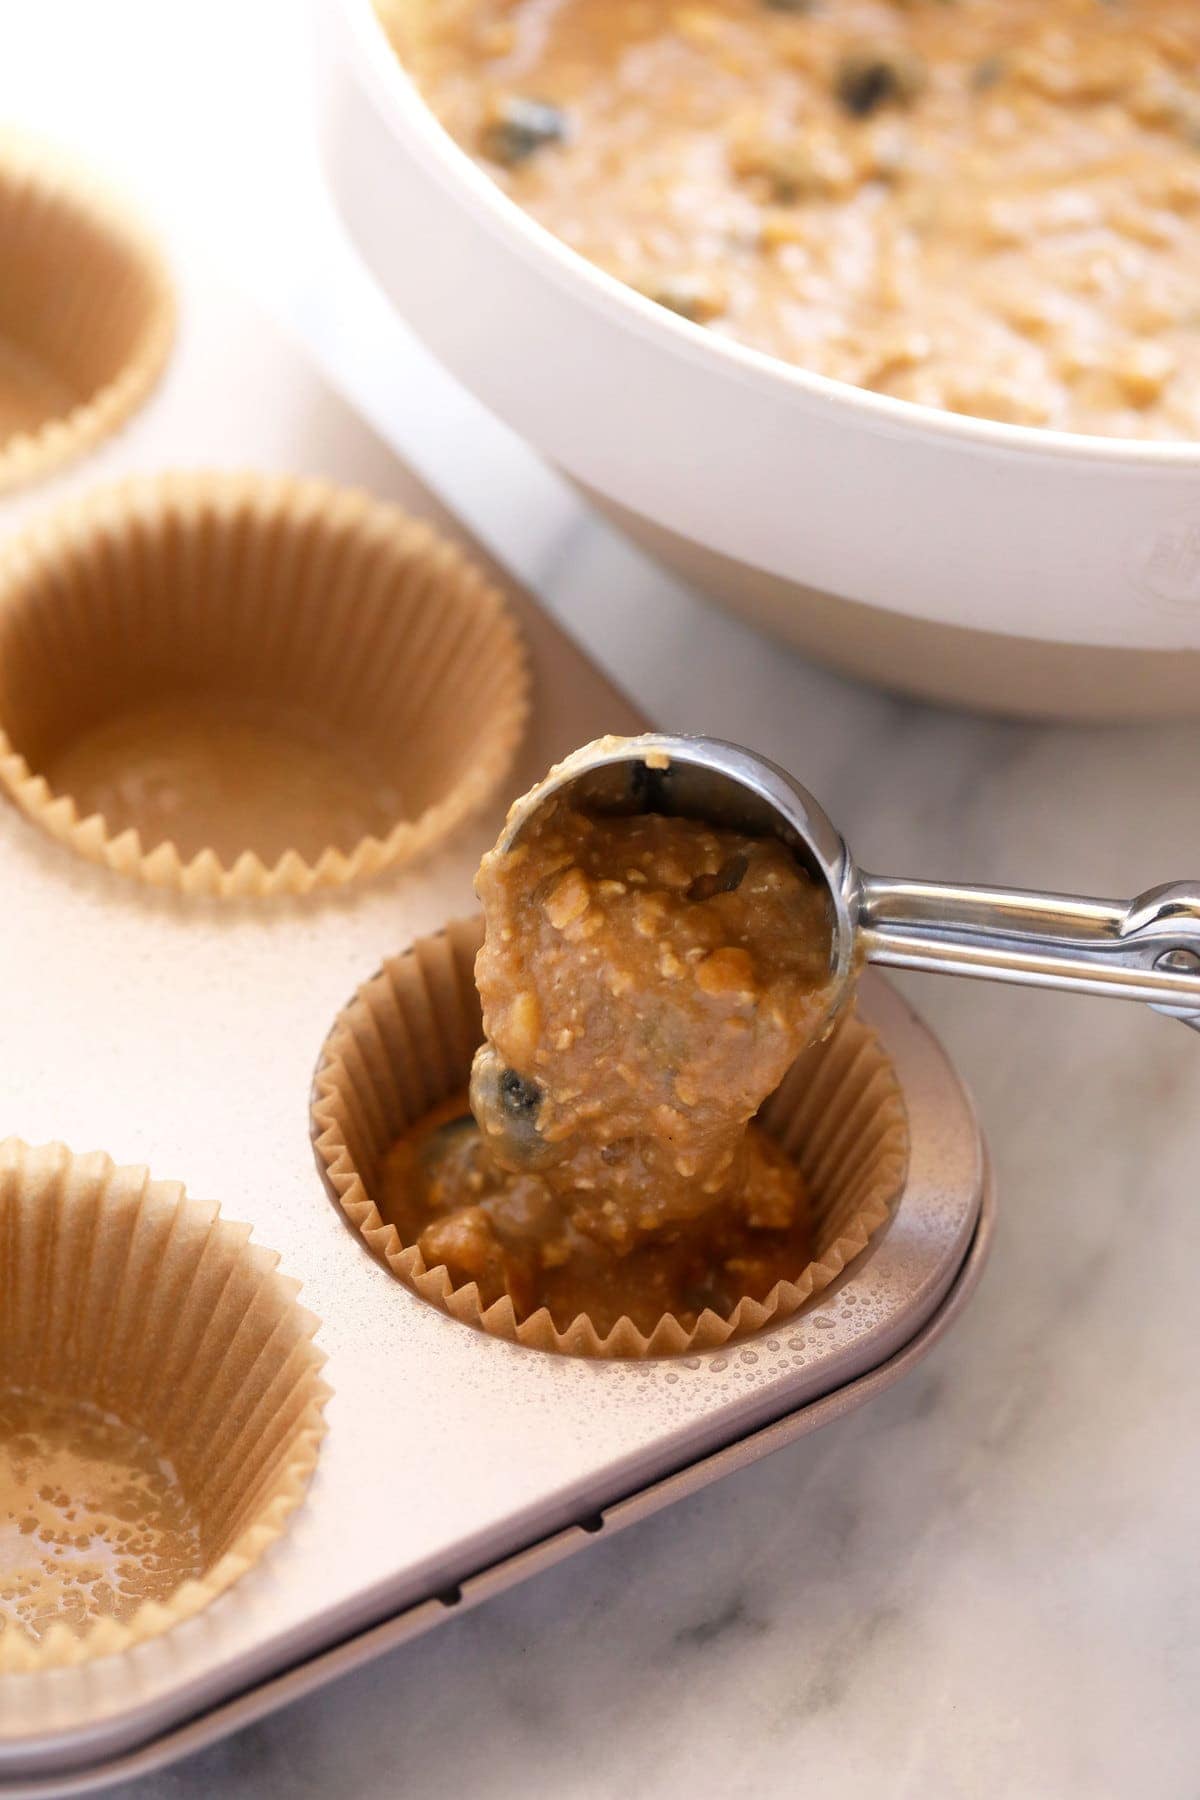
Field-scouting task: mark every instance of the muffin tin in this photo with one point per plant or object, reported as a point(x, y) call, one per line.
point(183, 1032)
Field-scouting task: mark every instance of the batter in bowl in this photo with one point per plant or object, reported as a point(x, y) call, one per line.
point(990, 206)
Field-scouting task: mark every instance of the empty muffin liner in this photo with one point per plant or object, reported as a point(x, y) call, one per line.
point(169, 616)
point(405, 1042)
point(123, 1301)
point(87, 313)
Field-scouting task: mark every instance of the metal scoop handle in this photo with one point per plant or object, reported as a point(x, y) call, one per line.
point(1146, 949)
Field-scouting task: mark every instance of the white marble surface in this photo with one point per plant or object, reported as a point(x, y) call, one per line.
point(985, 1584)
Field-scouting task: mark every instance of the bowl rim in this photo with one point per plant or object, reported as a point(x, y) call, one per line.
point(409, 118)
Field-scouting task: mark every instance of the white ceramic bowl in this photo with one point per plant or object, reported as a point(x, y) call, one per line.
point(988, 564)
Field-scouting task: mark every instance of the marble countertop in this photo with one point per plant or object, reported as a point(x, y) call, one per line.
point(984, 1584)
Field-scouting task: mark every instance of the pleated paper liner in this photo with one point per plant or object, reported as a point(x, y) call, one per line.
point(160, 1405)
point(405, 1042)
point(238, 684)
point(87, 313)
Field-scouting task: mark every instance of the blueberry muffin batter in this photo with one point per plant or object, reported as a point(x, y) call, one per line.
point(991, 206)
point(646, 983)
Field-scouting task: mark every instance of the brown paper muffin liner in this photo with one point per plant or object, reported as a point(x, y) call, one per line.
point(405, 1042)
point(128, 1309)
point(87, 313)
point(236, 684)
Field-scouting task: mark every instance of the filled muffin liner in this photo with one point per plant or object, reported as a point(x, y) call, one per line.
point(289, 589)
point(86, 293)
point(119, 1293)
point(405, 1042)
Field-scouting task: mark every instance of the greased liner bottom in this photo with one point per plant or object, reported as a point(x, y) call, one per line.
point(268, 592)
point(119, 1293)
point(87, 314)
point(405, 1042)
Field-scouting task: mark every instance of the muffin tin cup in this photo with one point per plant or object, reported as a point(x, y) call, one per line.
point(126, 1306)
point(87, 312)
point(197, 608)
point(405, 1042)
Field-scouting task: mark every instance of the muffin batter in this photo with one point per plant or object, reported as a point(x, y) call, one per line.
point(646, 984)
point(991, 206)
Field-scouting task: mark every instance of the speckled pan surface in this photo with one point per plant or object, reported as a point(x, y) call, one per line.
point(184, 1034)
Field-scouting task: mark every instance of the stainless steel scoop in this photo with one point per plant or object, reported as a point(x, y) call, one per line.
point(1146, 949)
